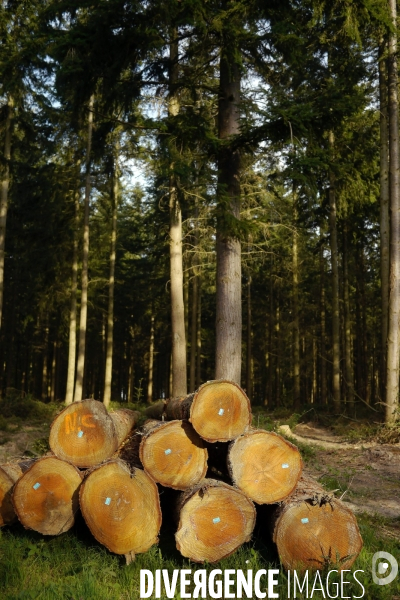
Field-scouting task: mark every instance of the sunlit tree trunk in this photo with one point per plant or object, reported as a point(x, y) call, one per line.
point(324, 396)
point(229, 274)
point(393, 340)
point(80, 368)
point(151, 364)
point(111, 286)
point(198, 338)
point(179, 374)
point(384, 203)
point(249, 353)
point(295, 308)
point(335, 285)
point(69, 395)
point(5, 183)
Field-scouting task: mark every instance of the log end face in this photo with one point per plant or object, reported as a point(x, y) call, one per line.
point(318, 536)
point(45, 498)
point(214, 522)
point(121, 507)
point(83, 434)
point(220, 411)
point(174, 455)
point(264, 466)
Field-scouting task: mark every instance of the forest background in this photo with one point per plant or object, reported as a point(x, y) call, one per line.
point(235, 167)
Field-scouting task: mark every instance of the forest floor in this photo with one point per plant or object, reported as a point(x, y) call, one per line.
point(366, 475)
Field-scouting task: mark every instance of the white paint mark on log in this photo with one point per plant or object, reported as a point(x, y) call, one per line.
point(108, 501)
point(221, 412)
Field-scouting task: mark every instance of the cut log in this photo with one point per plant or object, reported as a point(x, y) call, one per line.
point(219, 410)
point(45, 498)
point(264, 466)
point(314, 530)
point(173, 454)
point(85, 434)
point(214, 520)
point(9, 474)
point(121, 508)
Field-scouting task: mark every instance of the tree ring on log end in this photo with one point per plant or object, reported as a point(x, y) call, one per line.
point(84, 434)
point(314, 536)
point(215, 519)
point(121, 507)
point(45, 498)
point(220, 411)
point(174, 455)
point(264, 465)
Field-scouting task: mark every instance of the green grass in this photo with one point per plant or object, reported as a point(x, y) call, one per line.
point(74, 566)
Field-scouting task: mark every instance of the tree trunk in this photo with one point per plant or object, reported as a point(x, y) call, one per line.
point(121, 507)
point(393, 341)
point(324, 395)
point(198, 341)
point(45, 498)
point(249, 354)
point(384, 204)
point(173, 454)
point(229, 277)
point(347, 324)
point(69, 395)
point(5, 183)
point(151, 363)
point(335, 285)
point(214, 520)
point(80, 367)
point(295, 306)
point(85, 434)
point(179, 375)
point(194, 308)
point(314, 530)
point(264, 465)
point(111, 285)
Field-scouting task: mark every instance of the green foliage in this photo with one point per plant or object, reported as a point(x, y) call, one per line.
point(16, 405)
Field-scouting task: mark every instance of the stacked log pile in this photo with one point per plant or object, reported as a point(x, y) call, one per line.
point(204, 447)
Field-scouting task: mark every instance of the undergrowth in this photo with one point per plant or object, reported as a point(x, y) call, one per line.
point(74, 566)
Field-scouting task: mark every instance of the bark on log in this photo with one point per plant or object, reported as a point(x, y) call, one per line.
point(45, 498)
point(219, 410)
point(214, 520)
point(264, 465)
point(85, 434)
point(173, 454)
point(121, 508)
point(314, 530)
point(9, 475)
